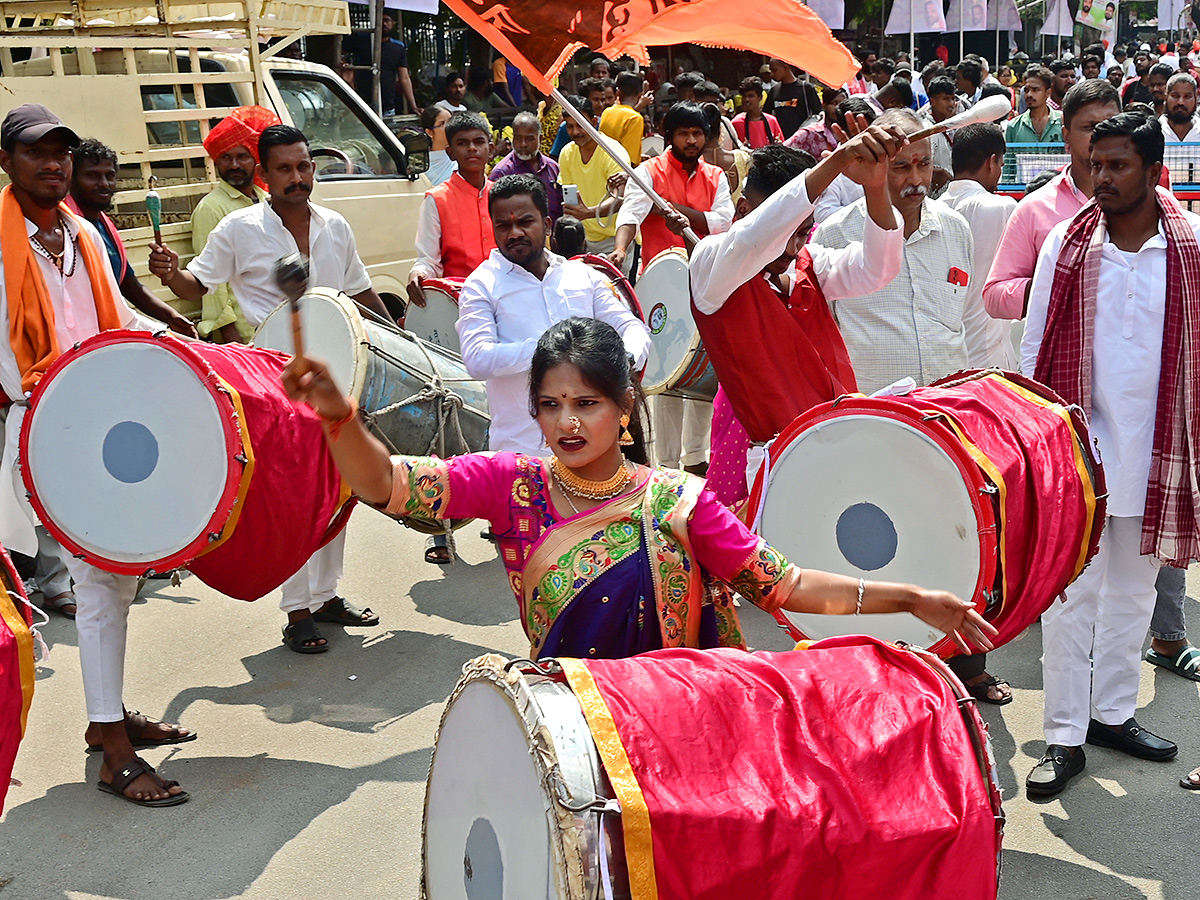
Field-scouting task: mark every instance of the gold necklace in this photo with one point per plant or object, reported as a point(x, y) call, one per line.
point(593, 490)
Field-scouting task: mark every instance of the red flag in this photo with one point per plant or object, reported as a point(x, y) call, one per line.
point(540, 36)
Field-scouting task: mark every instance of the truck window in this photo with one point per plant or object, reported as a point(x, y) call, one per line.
point(343, 139)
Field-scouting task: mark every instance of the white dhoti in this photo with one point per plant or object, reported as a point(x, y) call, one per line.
point(681, 430)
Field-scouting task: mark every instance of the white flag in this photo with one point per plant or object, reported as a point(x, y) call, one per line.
point(1058, 20)
point(1003, 16)
point(832, 12)
point(972, 12)
point(924, 15)
point(1169, 12)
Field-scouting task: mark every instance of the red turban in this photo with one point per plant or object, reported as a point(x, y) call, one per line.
point(240, 128)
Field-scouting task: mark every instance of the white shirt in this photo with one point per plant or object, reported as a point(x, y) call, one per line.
point(502, 312)
point(842, 192)
point(913, 327)
point(1171, 137)
point(441, 167)
point(245, 246)
point(721, 263)
point(1126, 356)
point(451, 108)
point(988, 340)
point(74, 321)
point(637, 203)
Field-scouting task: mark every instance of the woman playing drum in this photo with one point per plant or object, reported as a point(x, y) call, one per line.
point(607, 557)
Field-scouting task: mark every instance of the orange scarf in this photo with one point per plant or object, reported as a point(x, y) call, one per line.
point(30, 313)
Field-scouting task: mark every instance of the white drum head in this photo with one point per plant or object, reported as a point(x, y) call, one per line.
point(486, 827)
point(869, 496)
point(128, 452)
point(665, 294)
point(333, 333)
point(435, 321)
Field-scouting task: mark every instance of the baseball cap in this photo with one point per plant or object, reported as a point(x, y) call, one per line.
point(1144, 48)
point(29, 123)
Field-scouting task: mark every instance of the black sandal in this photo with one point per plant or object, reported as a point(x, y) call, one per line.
point(340, 612)
point(132, 771)
point(980, 691)
point(296, 633)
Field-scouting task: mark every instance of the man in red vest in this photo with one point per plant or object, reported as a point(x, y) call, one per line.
point(454, 230)
point(773, 343)
point(697, 189)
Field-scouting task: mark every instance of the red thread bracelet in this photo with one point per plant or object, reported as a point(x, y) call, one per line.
point(335, 425)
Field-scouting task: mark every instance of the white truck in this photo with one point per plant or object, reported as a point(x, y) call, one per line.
point(150, 78)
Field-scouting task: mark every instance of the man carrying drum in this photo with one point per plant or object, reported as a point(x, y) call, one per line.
point(59, 289)
point(243, 250)
point(775, 347)
point(699, 191)
point(520, 291)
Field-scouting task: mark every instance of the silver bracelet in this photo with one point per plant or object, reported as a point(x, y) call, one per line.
point(862, 586)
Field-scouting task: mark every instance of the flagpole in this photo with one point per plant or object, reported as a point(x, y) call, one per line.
point(912, 36)
point(961, 23)
point(582, 122)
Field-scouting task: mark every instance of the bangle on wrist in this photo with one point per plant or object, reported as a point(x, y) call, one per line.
point(862, 587)
point(334, 426)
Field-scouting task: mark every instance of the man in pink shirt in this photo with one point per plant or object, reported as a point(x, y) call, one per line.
point(1006, 296)
point(1006, 292)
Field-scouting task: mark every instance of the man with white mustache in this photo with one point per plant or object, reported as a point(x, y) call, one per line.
point(913, 327)
point(527, 159)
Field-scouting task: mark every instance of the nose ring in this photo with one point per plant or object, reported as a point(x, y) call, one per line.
point(575, 425)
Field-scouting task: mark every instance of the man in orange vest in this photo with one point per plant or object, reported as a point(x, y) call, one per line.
point(454, 230)
point(697, 189)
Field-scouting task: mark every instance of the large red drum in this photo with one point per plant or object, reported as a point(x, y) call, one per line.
point(984, 484)
point(852, 770)
point(143, 453)
point(16, 668)
point(617, 279)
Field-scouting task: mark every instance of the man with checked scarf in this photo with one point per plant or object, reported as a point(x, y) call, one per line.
point(1113, 316)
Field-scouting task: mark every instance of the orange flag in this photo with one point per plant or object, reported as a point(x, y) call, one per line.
point(540, 36)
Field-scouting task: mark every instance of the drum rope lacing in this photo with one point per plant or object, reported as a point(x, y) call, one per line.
point(446, 402)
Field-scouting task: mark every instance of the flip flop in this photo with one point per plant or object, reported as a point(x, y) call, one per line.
point(1189, 785)
point(58, 603)
point(132, 771)
point(296, 633)
point(1185, 664)
point(341, 612)
point(979, 690)
point(433, 553)
point(135, 724)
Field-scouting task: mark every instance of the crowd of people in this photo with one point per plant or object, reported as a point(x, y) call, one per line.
point(813, 225)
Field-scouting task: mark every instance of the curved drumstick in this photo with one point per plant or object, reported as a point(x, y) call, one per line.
point(986, 110)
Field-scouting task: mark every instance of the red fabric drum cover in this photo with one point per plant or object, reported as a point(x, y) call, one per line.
point(848, 770)
point(16, 669)
point(147, 452)
point(984, 484)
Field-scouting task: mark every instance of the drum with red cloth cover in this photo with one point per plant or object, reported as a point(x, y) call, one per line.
point(16, 668)
point(984, 484)
point(853, 769)
point(143, 453)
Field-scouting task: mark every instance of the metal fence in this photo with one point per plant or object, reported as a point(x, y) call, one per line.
point(1023, 162)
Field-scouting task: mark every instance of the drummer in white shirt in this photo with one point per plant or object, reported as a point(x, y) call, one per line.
point(518, 292)
point(1179, 124)
point(243, 251)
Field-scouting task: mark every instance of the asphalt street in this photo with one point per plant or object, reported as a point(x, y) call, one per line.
point(308, 776)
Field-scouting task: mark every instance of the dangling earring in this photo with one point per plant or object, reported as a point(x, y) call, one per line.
point(626, 438)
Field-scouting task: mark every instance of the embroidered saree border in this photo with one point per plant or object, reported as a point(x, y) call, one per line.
point(16, 624)
point(635, 814)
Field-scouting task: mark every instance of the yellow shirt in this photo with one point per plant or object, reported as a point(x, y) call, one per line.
point(625, 125)
point(592, 180)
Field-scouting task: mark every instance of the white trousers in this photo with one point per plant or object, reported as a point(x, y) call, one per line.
point(1092, 643)
point(315, 583)
point(681, 430)
point(102, 622)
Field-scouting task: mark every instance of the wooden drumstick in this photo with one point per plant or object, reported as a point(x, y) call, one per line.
point(986, 110)
point(291, 274)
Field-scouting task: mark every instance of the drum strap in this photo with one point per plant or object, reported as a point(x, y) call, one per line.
point(605, 877)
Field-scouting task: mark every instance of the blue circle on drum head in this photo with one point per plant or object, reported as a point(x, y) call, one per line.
point(866, 537)
point(130, 452)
